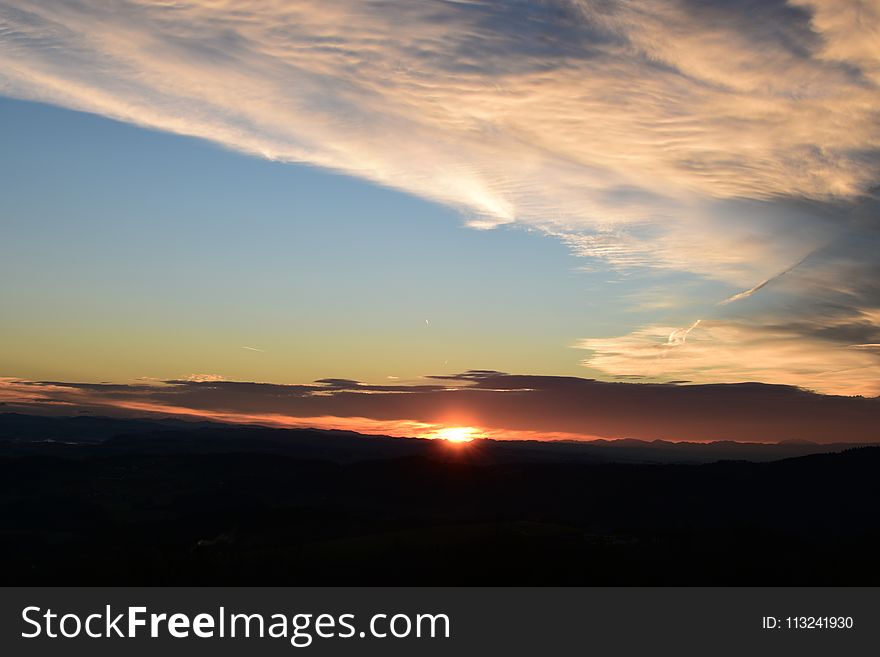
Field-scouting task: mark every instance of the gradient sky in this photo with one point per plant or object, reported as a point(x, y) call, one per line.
point(141, 254)
point(379, 191)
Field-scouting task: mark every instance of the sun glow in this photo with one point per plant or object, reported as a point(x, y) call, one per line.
point(456, 434)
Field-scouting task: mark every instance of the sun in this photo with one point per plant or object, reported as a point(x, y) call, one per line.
point(456, 434)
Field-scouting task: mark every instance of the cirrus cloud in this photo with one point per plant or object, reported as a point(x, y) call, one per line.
point(593, 117)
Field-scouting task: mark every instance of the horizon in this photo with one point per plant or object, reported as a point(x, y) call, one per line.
point(479, 405)
point(187, 420)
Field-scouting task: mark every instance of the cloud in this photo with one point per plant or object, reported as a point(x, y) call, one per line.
point(599, 118)
point(850, 31)
point(719, 351)
point(201, 378)
point(500, 405)
point(807, 329)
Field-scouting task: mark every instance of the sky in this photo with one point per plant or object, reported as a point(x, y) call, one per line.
point(599, 198)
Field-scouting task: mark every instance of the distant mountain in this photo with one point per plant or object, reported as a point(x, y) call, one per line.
point(71, 435)
point(83, 428)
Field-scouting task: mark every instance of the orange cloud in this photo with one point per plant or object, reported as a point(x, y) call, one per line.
point(719, 351)
point(483, 404)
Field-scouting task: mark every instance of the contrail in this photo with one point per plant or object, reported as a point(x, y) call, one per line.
point(751, 291)
point(254, 349)
point(679, 336)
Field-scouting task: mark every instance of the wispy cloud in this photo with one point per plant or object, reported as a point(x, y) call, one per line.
point(805, 329)
point(725, 351)
point(575, 116)
point(202, 378)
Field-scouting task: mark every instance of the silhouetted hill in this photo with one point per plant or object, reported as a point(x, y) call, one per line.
point(82, 428)
point(114, 435)
point(223, 506)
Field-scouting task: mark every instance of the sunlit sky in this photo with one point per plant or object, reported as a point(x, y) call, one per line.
point(386, 192)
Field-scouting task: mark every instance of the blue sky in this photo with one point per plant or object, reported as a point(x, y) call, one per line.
point(136, 253)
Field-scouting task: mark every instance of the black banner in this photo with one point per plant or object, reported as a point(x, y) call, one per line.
point(439, 621)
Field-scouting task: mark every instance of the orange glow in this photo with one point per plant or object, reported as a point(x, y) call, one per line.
point(455, 434)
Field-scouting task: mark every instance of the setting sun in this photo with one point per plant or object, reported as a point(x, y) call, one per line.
point(456, 434)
